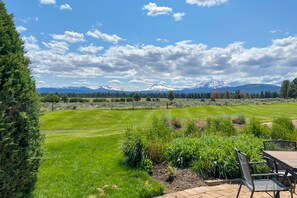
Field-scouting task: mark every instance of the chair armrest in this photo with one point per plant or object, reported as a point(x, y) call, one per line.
point(266, 174)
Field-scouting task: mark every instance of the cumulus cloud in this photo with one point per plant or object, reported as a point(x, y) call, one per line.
point(31, 43)
point(181, 62)
point(154, 10)
point(91, 49)
point(57, 46)
point(178, 16)
point(21, 29)
point(106, 37)
point(65, 7)
point(69, 36)
point(206, 3)
point(47, 2)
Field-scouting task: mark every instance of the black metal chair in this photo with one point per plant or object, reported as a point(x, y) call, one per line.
point(279, 145)
point(269, 184)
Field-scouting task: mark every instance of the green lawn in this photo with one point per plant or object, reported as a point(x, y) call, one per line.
point(82, 148)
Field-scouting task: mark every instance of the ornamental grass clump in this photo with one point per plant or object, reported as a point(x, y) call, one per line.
point(222, 126)
point(257, 129)
point(146, 142)
point(283, 128)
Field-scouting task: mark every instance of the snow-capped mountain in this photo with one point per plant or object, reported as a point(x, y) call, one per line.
point(107, 87)
point(213, 84)
point(159, 88)
point(104, 88)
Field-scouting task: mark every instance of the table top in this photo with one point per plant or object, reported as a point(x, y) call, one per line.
point(288, 158)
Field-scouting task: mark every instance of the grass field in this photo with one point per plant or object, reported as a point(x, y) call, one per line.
point(82, 148)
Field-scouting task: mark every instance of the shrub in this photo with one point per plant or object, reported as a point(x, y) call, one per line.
point(147, 165)
point(154, 151)
point(133, 147)
point(220, 126)
point(182, 152)
point(146, 142)
point(239, 119)
point(76, 100)
point(192, 129)
point(20, 137)
point(283, 128)
point(217, 158)
point(100, 100)
point(255, 128)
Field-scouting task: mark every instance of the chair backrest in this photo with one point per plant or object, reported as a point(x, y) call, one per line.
point(279, 145)
point(244, 167)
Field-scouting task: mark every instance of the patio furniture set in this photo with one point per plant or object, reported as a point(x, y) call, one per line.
point(281, 159)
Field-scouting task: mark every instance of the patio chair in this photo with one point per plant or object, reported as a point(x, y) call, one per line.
point(269, 184)
point(279, 145)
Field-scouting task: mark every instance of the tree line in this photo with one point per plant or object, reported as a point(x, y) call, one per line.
point(130, 97)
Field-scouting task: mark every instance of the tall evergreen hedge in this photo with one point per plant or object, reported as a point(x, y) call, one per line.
point(20, 138)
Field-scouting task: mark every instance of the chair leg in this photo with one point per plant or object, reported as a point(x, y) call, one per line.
point(239, 190)
point(252, 194)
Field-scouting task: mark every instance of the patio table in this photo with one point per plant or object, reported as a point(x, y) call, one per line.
point(287, 158)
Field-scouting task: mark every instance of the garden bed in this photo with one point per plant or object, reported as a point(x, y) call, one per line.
point(185, 178)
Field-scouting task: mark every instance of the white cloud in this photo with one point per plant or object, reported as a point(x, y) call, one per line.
point(184, 61)
point(106, 37)
point(91, 49)
point(31, 43)
point(65, 7)
point(114, 82)
point(154, 10)
point(206, 3)
point(69, 36)
point(178, 16)
point(21, 29)
point(47, 2)
point(57, 46)
point(162, 40)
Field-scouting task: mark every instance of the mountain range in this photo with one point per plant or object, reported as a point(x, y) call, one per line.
point(200, 87)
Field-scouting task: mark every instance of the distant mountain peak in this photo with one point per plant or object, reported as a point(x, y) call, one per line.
point(159, 87)
point(108, 87)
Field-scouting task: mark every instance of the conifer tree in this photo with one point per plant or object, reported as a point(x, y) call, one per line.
point(284, 90)
point(20, 138)
point(293, 89)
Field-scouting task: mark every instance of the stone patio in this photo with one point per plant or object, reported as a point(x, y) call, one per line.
point(222, 191)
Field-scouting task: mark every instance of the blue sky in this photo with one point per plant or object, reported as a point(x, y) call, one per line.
point(132, 44)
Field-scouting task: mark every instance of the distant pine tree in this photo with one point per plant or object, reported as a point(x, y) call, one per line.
point(293, 89)
point(20, 138)
point(284, 90)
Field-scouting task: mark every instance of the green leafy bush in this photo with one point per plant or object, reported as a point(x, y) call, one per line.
point(147, 165)
point(283, 128)
point(220, 126)
point(256, 128)
point(182, 152)
point(217, 158)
